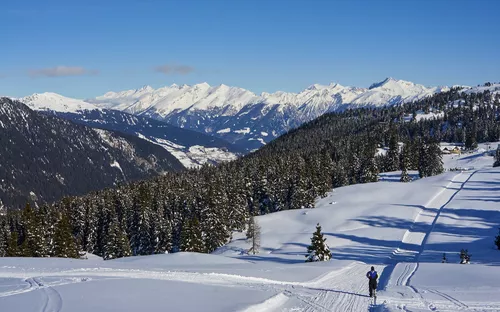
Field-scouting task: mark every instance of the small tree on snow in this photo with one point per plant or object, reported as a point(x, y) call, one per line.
point(319, 250)
point(497, 239)
point(497, 157)
point(253, 235)
point(464, 256)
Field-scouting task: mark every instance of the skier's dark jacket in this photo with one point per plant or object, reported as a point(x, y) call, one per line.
point(372, 276)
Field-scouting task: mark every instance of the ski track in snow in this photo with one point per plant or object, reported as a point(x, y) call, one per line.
point(405, 261)
point(52, 300)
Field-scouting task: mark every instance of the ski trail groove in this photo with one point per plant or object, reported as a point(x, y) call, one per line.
point(449, 298)
point(419, 239)
point(52, 298)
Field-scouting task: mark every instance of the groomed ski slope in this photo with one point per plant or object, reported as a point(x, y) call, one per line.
point(401, 229)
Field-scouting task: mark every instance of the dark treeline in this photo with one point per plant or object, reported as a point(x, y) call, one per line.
point(197, 210)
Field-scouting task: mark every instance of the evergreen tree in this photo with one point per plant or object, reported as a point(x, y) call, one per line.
point(318, 250)
point(497, 157)
point(117, 245)
point(423, 160)
point(392, 159)
point(192, 237)
point(404, 163)
point(369, 168)
point(4, 234)
point(12, 247)
point(164, 238)
point(430, 160)
point(64, 243)
point(436, 161)
point(470, 137)
point(253, 235)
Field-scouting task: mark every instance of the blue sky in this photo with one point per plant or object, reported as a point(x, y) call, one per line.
point(86, 48)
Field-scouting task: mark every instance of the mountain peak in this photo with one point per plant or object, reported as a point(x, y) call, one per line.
point(201, 85)
point(382, 83)
point(146, 88)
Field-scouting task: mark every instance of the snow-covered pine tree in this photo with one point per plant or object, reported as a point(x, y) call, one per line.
point(430, 159)
point(117, 245)
point(369, 169)
point(470, 137)
point(253, 235)
point(4, 234)
point(392, 158)
point(355, 169)
point(404, 163)
point(213, 216)
point(318, 250)
point(164, 237)
point(423, 160)
point(191, 237)
point(436, 159)
point(339, 175)
point(497, 157)
point(12, 246)
point(64, 243)
point(28, 227)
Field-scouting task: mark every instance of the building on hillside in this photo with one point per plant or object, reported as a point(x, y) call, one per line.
point(451, 149)
point(456, 150)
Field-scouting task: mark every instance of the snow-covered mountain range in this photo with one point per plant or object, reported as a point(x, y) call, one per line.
point(235, 114)
point(238, 115)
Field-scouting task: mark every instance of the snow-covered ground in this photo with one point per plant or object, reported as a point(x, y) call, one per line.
point(401, 229)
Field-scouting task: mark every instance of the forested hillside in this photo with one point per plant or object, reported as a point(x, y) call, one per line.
point(44, 158)
point(197, 210)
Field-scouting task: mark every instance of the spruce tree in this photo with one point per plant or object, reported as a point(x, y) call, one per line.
point(64, 243)
point(12, 247)
point(423, 160)
point(192, 239)
point(253, 235)
point(497, 157)
point(4, 237)
point(318, 250)
point(164, 238)
point(436, 161)
point(392, 158)
point(117, 245)
point(404, 163)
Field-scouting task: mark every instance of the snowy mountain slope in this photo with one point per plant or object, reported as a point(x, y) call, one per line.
point(44, 158)
point(209, 149)
point(494, 88)
point(391, 91)
point(235, 114)
point(55, 102)
point(401, 229)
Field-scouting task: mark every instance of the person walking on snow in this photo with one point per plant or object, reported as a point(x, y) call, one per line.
point(372, 281)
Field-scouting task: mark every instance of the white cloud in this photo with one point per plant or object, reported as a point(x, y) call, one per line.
point(61, 71)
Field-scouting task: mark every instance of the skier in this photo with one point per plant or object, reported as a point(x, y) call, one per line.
point(372, 281)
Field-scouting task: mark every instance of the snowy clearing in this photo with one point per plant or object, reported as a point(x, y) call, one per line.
point(401, 229)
